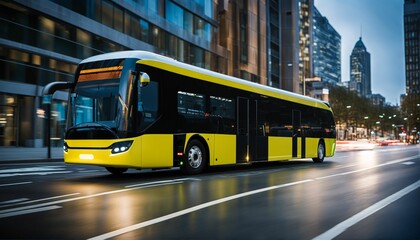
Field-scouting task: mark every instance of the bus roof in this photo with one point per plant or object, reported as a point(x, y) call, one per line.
point(173, 65)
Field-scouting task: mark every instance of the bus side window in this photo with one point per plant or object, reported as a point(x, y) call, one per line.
point(223, 114)
point(191, 112)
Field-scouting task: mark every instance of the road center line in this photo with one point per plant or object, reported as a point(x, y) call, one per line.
point(233, 197)
point(343, 226)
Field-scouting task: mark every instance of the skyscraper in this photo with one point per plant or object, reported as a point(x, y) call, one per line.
point(289, 34)
point(412, 45)
point(306, 12)
point(326, 50)
point(360, 70)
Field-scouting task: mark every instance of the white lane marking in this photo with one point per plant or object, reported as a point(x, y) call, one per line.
point(88, 171)
point(193, 209)
point(14, 184)
point(368, 168)
point(345, 166)
point(33, 210)
point(38, 200)
point(33, 169)
point(222, 200)
point(149, 183)
point(14, 201)
point(154, 185)
point(343, 226)
point(32, 173)
point(163, 182)
point(408, 163)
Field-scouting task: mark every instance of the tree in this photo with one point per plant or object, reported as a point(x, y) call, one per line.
point(351, 110)
point(410, 108)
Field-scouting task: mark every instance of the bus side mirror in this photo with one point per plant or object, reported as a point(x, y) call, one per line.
point(52, 87)
point(144, 79)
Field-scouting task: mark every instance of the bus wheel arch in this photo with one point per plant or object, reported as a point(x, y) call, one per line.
point(196, 156)
point(320, 152)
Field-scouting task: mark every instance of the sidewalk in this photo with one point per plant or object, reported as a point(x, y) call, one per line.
point(26, 154)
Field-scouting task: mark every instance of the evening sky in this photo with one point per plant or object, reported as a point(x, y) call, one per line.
point(380, 23)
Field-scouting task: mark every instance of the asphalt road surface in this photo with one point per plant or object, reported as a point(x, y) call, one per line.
point(372, 194)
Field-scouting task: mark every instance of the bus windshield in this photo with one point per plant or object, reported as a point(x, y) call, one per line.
point(107, 102)
point(98, 103)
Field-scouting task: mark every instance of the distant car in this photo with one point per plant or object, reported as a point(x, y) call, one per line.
point(382, 142)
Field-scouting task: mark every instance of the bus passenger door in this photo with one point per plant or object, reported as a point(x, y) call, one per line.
point(242, 134)
point(250, 145)
point(296, 133)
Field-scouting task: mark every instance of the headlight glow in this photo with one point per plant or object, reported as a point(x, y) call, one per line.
point(120, 147)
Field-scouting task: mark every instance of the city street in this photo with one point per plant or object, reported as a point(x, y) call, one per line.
point(368, 194)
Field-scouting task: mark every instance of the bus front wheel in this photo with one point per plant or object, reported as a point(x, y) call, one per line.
point(116, 171)
point(320, 153)
point(195, 158)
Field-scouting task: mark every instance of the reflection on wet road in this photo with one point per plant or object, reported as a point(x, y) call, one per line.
point(295, 199)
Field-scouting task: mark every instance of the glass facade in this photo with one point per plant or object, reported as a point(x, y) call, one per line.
point(305, 40)
point(42, 42)
point(274, 44)
point(326, 50)
point(124, 17)
point(360, 70)
point(412, 46)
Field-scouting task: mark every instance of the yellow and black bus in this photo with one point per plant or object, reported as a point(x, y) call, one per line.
point(136, 109)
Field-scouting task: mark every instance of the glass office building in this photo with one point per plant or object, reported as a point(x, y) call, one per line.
point(43, 41)
point(412, 45)
point(326, 50)
point(360, 76)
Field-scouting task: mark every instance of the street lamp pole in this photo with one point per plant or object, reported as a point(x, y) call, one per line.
point(347, 120)
point(46, 99)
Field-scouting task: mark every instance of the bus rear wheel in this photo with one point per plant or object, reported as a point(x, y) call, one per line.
point(320, 153)
point(116, 171)
point(195, 158)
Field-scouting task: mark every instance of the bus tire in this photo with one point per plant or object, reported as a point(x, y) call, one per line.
point(116, 171)
point(320, 153)
point(195, 157)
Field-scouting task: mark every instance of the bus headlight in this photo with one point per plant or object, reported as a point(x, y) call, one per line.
point(120, 147)
point(65, 147)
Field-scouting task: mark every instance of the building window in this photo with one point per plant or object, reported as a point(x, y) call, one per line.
point(243, 33)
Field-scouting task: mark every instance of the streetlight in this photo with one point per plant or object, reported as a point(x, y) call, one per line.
point(348, 107)
point(367, 127)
